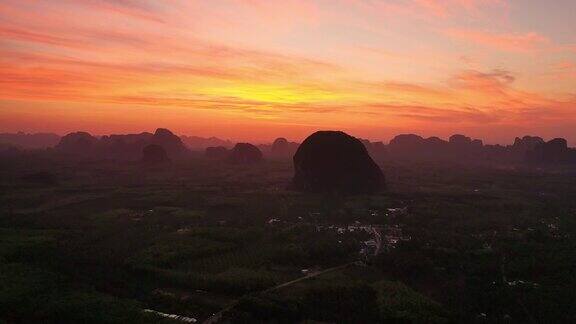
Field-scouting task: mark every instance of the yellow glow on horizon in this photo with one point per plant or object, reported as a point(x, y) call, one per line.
point(274, 94)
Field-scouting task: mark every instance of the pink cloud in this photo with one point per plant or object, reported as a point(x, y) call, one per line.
point(143, 9)
point(437, 8)
point(435, 114)
point(565, 70)
point(501, 41)
point(495, 81)
point(291, 10)
point(31, 36)
point(445, 8)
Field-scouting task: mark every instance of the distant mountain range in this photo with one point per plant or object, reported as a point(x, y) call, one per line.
point(122, 147)
point(29, 141)
point(201, 143)
point(528, 149)
point(47, 140)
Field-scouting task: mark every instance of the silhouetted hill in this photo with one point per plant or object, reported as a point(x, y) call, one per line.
point(201, 143)
point(120, 147)
point(555, 151)
point(30, 141)
point(458, 148)
point(333, 161)
point(406, 146)
point(526, 143)
point(80, 144)
point(245, 153)
point(170, 142)
point(377, 150)
point(281, 148)
point(123, 147)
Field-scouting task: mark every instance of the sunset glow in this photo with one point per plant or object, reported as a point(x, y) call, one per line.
point(260, 69)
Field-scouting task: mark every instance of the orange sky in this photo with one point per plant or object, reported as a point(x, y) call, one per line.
point(258, 69)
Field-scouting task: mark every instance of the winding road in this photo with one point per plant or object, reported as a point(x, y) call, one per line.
point(218, 316)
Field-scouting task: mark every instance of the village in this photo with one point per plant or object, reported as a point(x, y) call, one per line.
point(378, 238)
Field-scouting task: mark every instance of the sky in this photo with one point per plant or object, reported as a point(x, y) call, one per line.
point(260, 69)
